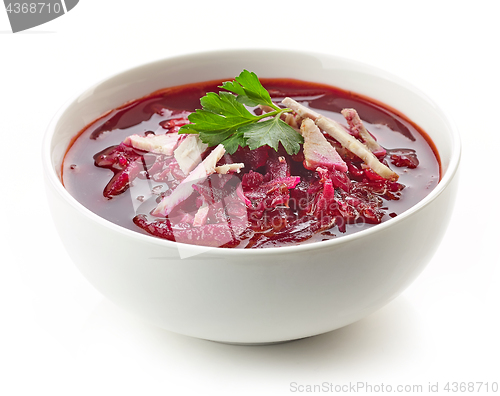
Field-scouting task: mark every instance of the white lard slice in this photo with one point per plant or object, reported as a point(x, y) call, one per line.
point(229, 168)
point(185, 188)
point(355, 123)
point(158, 144)
point(188, 153)
point(317, 150)
point(200, 218)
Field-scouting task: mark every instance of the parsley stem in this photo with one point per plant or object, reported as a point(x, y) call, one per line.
point(273, 113)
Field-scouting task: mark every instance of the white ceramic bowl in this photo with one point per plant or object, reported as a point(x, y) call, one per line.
point(262, 295)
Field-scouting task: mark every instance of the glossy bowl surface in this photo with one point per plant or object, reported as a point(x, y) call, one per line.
point(263, 295)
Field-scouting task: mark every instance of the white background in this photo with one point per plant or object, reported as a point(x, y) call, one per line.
point(59, 336)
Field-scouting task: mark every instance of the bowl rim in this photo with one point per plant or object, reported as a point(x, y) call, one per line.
point(446, 178)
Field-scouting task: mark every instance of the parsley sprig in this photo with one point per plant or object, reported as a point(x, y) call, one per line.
point(225, 119)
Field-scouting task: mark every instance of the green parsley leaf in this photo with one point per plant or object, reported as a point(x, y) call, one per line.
point(249, 90)
point(235, 87)
point(272, 132)
point(220, 117)
point(225, 119)
point(225, 104)
point(232, 143)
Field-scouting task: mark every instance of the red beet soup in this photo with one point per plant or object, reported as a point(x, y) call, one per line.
point(133, 168)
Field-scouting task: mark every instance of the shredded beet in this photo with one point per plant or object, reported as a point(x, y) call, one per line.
point(254, 159)
point(295, 232)
point(126, 164)
point(215, 235)
point(404, 158)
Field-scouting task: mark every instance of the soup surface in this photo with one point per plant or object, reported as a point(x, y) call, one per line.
point(263, 197)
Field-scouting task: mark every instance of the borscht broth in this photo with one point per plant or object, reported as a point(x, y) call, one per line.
point(133, 168)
